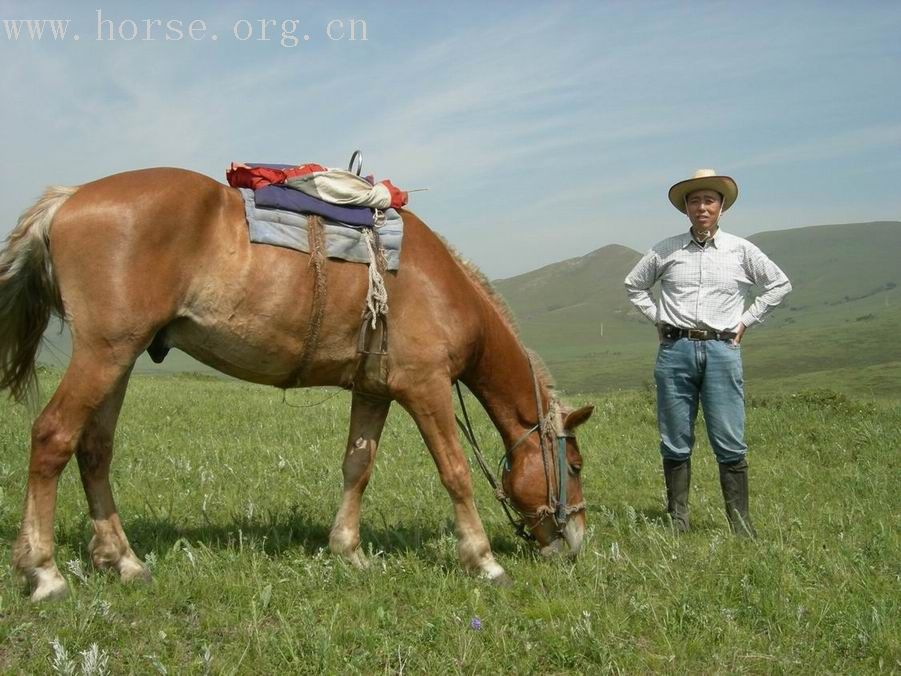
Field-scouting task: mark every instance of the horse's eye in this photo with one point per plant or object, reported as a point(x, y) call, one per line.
point(575, 469)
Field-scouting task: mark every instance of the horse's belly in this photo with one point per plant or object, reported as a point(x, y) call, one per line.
point(248, 350)
point(249, 316)
point(264, 355)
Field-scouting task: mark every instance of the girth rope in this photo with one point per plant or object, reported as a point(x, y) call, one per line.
point(317, 306)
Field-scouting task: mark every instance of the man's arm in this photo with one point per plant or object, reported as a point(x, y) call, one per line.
point(766, 275)
point(639, 282)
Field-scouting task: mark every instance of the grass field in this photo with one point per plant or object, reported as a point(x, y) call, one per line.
point(228, 493)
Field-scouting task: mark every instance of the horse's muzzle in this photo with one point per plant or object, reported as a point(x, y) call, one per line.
point(571, 541)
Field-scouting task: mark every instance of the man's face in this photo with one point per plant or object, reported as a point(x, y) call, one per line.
point(703, 208)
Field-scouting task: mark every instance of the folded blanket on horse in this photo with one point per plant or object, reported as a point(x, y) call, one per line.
point(338, 186)
point(283, 197)
point(334, 186)
point(258, 175)
point(288, 229)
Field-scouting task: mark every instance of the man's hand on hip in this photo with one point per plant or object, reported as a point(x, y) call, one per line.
point(739, 332)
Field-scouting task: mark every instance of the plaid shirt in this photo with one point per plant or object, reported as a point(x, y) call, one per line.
point(706, 287)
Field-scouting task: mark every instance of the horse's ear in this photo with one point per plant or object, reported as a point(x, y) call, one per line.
point(577, 417)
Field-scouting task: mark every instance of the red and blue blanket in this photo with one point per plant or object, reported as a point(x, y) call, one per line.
point(336, 194)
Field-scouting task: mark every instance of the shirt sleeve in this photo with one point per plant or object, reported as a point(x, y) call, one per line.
point(639, 282)
point(770, 279)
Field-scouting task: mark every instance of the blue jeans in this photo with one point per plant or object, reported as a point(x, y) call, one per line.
point(705, 371)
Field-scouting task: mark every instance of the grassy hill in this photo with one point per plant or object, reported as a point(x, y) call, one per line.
point(838, 328)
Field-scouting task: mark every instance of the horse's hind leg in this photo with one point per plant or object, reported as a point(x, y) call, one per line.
point(367, 419)
point(109, 546)
point(90, 379)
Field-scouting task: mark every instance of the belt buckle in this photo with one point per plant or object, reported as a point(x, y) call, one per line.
point(697, 334)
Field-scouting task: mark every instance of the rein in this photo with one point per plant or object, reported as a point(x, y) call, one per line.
point(557, 501)
point(519, 525)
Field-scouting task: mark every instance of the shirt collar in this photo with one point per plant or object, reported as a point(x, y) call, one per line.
point(689, 238)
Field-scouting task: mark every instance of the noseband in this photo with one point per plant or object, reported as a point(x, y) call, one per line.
point(557, 499)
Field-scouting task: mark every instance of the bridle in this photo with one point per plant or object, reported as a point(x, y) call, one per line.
point(555, 473)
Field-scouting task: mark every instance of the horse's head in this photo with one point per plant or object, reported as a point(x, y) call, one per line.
point(540, 472)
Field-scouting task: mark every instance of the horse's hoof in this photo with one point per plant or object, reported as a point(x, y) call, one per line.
point(348, 548)
point(358, 560)
point(51, 586)
point(133, 572)
point(502, 580)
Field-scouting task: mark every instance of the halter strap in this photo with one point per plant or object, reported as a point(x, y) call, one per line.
point(557, 500)
point(534, 428)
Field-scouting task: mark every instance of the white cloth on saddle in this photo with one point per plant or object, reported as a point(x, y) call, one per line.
point(289, 229)
point(342, 187)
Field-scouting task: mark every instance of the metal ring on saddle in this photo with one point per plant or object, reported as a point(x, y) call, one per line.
point(356, 158)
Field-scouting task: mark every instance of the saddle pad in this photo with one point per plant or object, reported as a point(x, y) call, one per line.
point(288, 229)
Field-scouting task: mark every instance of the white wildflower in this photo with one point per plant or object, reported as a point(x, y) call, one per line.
point(74, 566)
point(159, 666)
point(94, 661)
point(62, 664)
point(207, 658)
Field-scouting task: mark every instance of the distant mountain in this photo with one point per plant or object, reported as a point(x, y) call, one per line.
point(594, 279)
point(831, 264)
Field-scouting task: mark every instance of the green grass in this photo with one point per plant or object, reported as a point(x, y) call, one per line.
point(855, 357)
point(229, 495)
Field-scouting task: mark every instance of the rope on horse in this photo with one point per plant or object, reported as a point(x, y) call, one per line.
point(317, 308)
point(377, 294)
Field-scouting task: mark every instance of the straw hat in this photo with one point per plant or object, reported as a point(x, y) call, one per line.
point(704, 179)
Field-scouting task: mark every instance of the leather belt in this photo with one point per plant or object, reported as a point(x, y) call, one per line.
point(674, 333)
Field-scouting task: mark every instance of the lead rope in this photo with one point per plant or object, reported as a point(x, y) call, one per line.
point(469, 435)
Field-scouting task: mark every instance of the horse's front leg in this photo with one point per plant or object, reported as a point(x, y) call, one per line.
point(367, 419)
point(432, 408)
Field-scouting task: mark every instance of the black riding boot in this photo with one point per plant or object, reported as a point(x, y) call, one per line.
point(677, 474)
point(734, 482)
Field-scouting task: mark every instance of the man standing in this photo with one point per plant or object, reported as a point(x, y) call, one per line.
point(701, 317)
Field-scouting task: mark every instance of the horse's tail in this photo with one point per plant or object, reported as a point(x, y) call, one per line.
point(28, 293)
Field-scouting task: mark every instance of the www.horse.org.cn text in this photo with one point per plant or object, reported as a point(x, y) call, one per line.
point(288, 33)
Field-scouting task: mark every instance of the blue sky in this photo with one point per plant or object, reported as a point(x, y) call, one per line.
point(543, 130)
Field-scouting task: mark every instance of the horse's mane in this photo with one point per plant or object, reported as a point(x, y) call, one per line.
point(483, 284)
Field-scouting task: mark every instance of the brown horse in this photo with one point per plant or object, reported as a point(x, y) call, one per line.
point(161, 257)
